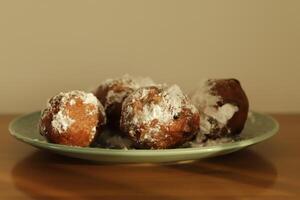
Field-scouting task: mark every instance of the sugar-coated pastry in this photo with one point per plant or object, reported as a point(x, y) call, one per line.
point(159, 117)
point(223, 107)
point(112, 92)
point(72, 118)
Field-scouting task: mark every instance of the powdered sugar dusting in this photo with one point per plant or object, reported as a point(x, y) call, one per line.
point(174, 98)
point(113, 96)
point(206, 102)
point(72, 102)
point(61, 121)
point(93, 133)
point(202, 97)
point(221, 114)
point(154, 114)
point(164, 110)
point(89, 98)
point(127, 84)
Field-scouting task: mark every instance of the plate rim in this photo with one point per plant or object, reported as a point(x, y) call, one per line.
point(139, 152)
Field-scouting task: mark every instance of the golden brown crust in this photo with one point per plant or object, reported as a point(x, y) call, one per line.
point(159, 118)
point(71, 121)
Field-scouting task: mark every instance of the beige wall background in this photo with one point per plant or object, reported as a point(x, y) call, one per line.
point(51, 46)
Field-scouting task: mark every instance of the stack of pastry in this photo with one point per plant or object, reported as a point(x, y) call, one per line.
point(145, 115)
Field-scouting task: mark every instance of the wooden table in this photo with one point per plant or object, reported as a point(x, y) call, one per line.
point(265, 171)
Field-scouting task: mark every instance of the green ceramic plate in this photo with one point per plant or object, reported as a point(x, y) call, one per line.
point(259, 127)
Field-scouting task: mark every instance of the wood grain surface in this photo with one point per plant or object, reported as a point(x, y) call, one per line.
point(265, 171)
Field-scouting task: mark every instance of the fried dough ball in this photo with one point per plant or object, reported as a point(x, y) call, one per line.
point(72, 118)
point(112, 92)
point(159, 117)
point(223, 107)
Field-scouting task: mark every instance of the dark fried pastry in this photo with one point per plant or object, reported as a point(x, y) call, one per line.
point(223, 107)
